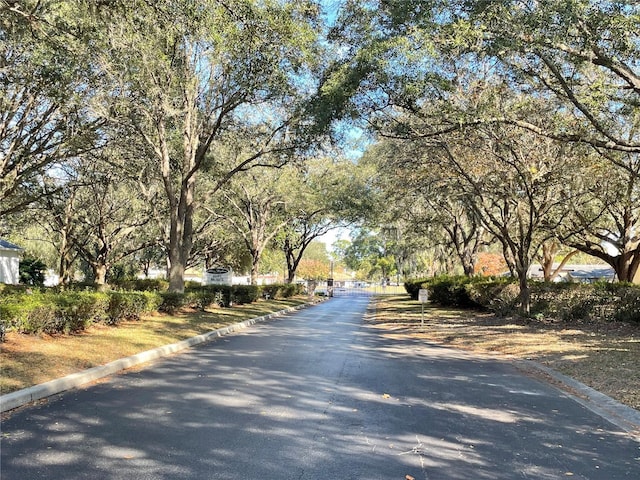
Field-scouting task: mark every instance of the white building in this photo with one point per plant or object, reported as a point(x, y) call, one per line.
point(9, 262)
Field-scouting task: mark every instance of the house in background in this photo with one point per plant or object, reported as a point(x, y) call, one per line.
point(9, 262)
point(577, 273)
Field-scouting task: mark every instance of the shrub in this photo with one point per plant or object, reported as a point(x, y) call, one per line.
point(282, 290)
point(51, 312)
point(450, 291)
point(143, 284)
point(172, 301)
point(29, 313)
point(496, 294)
point(130, 305)
point(201, 296)
point(245, 293)
point(413, 287)
point(32, 271)
point(499, 295)
point(79, 309)
point(629, 303)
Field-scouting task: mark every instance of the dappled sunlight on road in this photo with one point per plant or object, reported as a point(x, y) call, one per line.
point(316, 396)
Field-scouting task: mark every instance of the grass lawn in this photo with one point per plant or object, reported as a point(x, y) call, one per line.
point(27, 360)
point(605, 356)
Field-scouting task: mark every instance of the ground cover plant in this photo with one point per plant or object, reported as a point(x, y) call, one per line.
point(602, 354)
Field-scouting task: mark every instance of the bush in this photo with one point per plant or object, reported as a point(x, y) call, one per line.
point(496, 294)
point(29, 313)
point(413, 287)
point(52, 312)
point(80, 309)
point(450, 291)
point(201, 296)
point(130, 305)
point(245, 293)
point(172, 301)
point(628, 304)
point(282, 290)
point(32, 271)
point(142, 284)
point(499, 295)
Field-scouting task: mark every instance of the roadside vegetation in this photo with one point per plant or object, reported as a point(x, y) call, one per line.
point(51, 311)
point(452, 137)
point(26, 360)
point(559, 302)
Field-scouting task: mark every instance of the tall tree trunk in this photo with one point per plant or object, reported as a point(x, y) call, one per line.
point(255, 265)
point(99, 270)
point(522, 265)
point(525, 293)
point(627, 266)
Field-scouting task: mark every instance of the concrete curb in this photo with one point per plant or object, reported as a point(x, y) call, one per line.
point(624, 417)
point(22, 397)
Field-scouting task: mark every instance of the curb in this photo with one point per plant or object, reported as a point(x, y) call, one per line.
point(623, 416)
point(22, 397)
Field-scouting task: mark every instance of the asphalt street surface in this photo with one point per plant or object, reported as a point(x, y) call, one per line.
point(316, 395)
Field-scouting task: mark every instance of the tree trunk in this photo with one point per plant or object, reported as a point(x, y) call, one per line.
point(100, 275)
point(627, 266)
point(525, 293)
point(176, 270)
point(255, 266)
point(468, 264)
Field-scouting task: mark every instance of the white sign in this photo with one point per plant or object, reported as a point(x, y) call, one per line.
point(423, 295)
point(218, 276)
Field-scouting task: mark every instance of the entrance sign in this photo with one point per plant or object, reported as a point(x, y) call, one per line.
point(218, 276)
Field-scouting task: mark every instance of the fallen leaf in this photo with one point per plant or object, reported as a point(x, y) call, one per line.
point(386, 395)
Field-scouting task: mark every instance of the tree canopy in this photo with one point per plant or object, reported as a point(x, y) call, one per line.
point(188, 133)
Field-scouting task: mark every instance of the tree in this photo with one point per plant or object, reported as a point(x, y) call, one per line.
point(95, 215)
point(255, 211)
point(189, 75)
point(583, 53)
point(419, 192)
point(323, 194)
point(46, 94)
point(32, 272)
point(604, 218)
point(368, 255)
point(580, 55)
point(517, 181)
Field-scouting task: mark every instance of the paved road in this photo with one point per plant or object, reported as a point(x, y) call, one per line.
point(316, 395)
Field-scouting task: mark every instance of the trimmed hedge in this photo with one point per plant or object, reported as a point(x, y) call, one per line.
point(282, 290)
point(562, 301)
point(413, 287)
point(52, 312)
point(142, 284)
point(201, 296)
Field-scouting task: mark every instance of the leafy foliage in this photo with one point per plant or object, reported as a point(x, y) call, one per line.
point(32, 271)
point(556, 301)
point(54, 312)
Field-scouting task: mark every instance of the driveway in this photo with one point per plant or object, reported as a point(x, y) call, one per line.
point(316, 395)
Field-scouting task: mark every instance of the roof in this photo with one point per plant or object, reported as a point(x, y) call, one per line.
point(578, 272)
point(4, 245)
